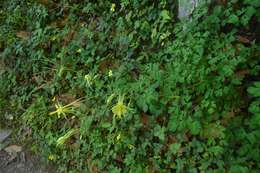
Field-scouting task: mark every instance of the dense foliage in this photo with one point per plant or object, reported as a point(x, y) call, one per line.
point(123, 86)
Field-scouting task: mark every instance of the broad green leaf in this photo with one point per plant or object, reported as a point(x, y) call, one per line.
point(174, 148)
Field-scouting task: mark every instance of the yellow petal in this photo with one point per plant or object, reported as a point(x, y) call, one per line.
point(53, 99)
point(110, 73)
point(56, 106)
point(51, 157)
point(118, 137)
point(130, 146)
point(113, 6)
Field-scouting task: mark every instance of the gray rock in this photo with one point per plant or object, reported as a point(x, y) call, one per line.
point(32, 164)
point(4, 134)
point(186, 7)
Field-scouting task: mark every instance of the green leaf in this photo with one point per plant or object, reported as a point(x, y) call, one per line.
point(195, 128)
point(173, 124)
point(215, 150)
point(255, 107)
point(255, 3)
point(159, 132)
point(174, 148)
point(142, 104)
point(165, 15)
point(250, 11)
point(254, 90)
point(106, 125)
point(233, 19)
point(85, 124)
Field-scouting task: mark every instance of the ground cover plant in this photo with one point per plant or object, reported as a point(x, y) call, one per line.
point(124, 86)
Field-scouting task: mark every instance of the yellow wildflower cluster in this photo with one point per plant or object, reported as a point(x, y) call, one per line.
point(119, 109)
point(63, 110)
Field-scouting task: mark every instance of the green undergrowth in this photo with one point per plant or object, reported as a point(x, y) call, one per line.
point(123, 86)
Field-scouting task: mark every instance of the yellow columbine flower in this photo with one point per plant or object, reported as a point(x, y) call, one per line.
point(65, 137)
point(113, 6)
point(53, 99)
point(62, 110)
point(110, 73)
point(51, 157)
point(87, 78)
point(119, 109)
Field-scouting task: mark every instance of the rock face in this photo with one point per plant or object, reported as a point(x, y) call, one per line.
point(4, 134)
point(22, 163)
point(186, 7)
point(13, 158)
point(13, 149)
